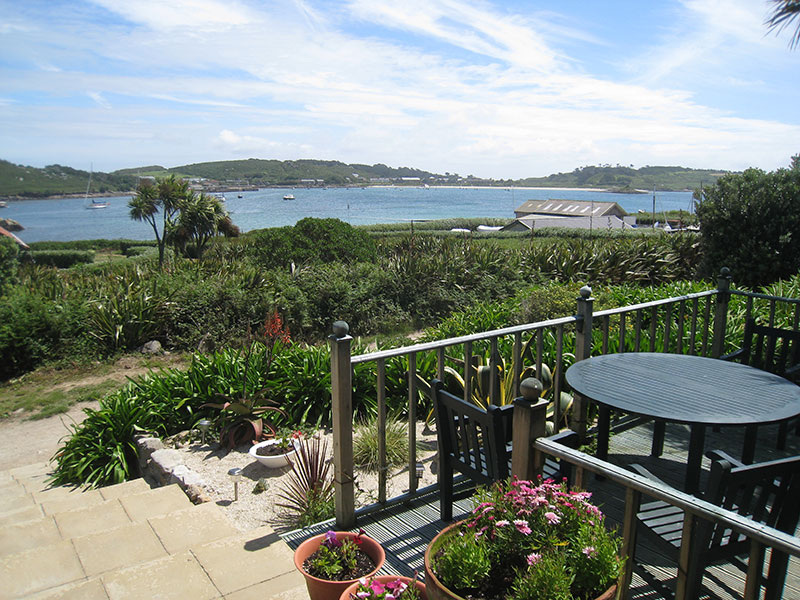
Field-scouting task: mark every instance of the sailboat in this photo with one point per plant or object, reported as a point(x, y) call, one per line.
point(94, 204)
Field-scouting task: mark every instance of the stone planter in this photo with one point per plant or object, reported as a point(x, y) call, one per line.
point(323, 589)
point(436, 589)
point(346, 595)
point(275, 461)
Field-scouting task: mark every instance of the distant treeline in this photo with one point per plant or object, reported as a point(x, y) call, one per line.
point(25, 181)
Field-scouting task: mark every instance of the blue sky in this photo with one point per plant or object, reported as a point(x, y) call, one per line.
point(491, 88)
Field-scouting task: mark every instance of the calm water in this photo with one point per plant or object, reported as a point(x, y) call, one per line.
point(68, 219)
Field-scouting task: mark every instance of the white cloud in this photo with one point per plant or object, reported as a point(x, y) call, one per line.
point(207, 15)
point(98, 98)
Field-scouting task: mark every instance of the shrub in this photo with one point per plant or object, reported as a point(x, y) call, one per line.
point(62, 258)
point(365, 443)
point(9, 262)
point(750, 222)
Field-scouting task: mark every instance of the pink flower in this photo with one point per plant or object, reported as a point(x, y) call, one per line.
point(552, 518)
point(377, 587)
point(522, 526)
point(534, 558)
point(502, 523)
point(589, 551)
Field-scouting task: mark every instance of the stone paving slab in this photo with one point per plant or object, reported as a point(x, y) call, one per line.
point(85, 590)
point(177, 577)
point(192, 527)
point(290, 586)
point(75, 523)
point(117, 548)
point(31, 512)
point(71, 502)
point(9, 504)
point(246, 559)
point(39, 569)
point(159, 501)
point(25, 536)
point(128, 488)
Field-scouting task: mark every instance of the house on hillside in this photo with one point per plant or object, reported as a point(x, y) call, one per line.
point(571, 214)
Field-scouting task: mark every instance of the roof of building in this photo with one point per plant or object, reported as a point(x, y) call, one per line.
point(569, 208)
point(8, 234)
point(530, 222)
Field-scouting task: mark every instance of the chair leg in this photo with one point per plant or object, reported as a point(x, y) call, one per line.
point(776, 576)
point(446, 490)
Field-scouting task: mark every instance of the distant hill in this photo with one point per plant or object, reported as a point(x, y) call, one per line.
point(19, 180)
point(628, 178)
point(53, 180)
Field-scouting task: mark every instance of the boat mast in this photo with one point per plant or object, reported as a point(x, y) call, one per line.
point(89, 184)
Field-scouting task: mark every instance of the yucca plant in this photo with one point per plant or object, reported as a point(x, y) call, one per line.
point(308, 492)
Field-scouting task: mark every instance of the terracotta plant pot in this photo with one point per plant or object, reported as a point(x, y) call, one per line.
point(386, 579)
point(323, 589)
point(436, 589)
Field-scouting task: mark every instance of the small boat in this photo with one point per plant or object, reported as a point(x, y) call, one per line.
point(94, 204)
point(238, 195)
point(288, 197)
point(3, 204)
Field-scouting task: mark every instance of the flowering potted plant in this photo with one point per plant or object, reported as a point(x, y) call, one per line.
point(386, 587)
point(333, 561)
point(526, 540)
point(278, 451)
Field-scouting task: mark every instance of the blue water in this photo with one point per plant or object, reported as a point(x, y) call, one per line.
point(68, 219)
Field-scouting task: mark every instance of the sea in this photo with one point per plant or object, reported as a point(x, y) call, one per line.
point(68, 219)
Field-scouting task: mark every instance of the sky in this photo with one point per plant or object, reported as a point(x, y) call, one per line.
point(496, 89)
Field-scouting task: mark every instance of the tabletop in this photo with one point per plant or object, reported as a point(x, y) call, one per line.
point(685, 389)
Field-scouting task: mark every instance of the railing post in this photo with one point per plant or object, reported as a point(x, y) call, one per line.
point(583, 349)
point(342, 409)
point(530, 419)
point(721, 313)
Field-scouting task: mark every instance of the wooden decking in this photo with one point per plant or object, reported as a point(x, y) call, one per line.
point(405, 529)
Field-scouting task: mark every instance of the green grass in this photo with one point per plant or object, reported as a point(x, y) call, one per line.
point(49, 391)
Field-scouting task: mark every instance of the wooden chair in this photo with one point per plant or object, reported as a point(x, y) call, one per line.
point(477, 443)
point(770, 349)
point(767, 493)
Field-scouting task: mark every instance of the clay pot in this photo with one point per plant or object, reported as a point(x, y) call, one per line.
point(436, 589)
point(323, 589)
point(386, 579)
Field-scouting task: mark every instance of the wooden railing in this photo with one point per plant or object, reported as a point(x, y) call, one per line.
point(691, 324)
point(761, 536)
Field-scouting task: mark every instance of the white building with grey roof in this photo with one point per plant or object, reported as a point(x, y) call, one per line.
point(571, 214)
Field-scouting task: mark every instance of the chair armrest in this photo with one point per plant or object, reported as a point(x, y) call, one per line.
point(641, 470)
point(720, 455)
point(733, 355)
point(568, 438)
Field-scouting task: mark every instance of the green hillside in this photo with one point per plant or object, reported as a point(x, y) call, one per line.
point(19, 180)
point(628, 179)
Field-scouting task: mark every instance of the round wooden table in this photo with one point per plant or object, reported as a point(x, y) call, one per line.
point(680, 388)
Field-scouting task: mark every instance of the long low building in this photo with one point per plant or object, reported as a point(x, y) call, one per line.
point(571, 214)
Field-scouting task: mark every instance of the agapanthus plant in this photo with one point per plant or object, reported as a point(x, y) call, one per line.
point(530, 540)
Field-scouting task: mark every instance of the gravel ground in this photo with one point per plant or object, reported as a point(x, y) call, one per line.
point(254, 510)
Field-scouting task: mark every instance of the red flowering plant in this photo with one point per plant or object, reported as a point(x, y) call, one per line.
point(339, 559)
point(531, 540)
point(396, 589)
point(242, 419)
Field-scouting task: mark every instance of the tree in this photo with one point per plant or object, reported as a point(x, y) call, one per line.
point(202, 217)
point(165, 197)
point(750, 222)
point(783, 13)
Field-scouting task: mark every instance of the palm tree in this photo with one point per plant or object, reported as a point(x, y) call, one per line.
point(784, 12)
point(165, 197)
point(202, 217)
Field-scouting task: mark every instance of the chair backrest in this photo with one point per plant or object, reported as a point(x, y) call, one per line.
point(767, 492)
point(771, 349)
point(475, 441)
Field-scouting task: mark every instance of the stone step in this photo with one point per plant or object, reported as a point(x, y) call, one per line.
point(132, 562)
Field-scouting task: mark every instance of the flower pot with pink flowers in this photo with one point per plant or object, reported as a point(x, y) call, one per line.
point(332, 561)
point(386, 587)
point(526, 540)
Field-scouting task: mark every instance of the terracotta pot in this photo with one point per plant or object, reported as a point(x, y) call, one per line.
point(386, 579)
point(436, 589)
point(322, 589)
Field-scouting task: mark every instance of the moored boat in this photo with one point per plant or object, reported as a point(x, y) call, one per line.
point(288, 197)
